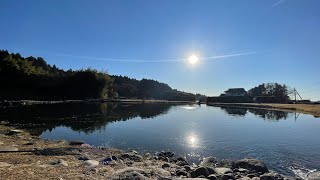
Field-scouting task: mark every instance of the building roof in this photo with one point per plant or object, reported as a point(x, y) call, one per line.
point(236, 90)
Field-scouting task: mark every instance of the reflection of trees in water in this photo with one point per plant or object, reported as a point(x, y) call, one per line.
point(86, 117)
point(235, 111)
point(263, 113)
point(267, 114)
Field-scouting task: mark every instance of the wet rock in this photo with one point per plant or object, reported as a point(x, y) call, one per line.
point(209, 162)
point(59, 162)
point(251, 164)
point(313, 175)
point(227, 177)
point(200, 171)
point(132, 156)
point(222, 170)
point(7, 148)
point(91, 163)
point(212, 177)
point(76, 142)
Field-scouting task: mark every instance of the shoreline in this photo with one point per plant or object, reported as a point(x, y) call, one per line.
point(147, 101)
point(37, 158)
point(312, 109)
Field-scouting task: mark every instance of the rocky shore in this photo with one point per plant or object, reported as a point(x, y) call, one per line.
point(23, 156)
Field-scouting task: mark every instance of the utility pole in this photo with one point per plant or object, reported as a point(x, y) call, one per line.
point(295, 95)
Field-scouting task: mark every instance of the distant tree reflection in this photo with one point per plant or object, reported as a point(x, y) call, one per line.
point(84, 117)
point(263, 113)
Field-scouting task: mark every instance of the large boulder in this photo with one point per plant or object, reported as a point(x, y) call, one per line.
point(251, 164)
point(314, 175)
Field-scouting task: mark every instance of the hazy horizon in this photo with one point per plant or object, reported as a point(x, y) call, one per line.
point(238, 44)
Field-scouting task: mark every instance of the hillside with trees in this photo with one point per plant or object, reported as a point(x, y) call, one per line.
point(33, 78)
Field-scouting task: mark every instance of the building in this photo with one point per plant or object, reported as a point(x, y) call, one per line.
point(235, 92)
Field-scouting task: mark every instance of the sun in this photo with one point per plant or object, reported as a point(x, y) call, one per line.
point(193, 59)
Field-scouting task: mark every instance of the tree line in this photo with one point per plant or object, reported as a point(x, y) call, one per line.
point(33, 78)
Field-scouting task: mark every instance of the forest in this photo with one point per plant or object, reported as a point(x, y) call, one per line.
point(32, 78)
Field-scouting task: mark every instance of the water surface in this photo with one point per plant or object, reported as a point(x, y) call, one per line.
point(288, 142)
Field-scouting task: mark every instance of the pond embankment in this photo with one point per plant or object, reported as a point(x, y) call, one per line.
point(23, 156)
point(313, 109)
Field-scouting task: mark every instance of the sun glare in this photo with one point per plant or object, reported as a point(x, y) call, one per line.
point(193, 59)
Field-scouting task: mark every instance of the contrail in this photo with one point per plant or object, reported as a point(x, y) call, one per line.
point(158, 60)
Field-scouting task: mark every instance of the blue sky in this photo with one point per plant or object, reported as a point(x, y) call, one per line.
point(281, 37)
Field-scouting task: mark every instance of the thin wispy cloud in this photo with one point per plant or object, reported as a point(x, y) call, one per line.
point(223, 56)
point(278, 2)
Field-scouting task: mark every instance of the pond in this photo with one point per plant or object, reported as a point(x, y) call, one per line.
point(287, 142)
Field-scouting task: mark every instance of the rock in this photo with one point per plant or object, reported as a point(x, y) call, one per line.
point(182, 163)
point(209, 162)
point(222, 170)
point(212, 177)
point(107, 161)
point(1, 142)
point(245, 178)
point(313, 175)
point(210, 170)
point(76, 142)
point(200, 171)
point(132, 156)
point(241, 170)
point(166, 154)
point(4, 164)
point(227, 177)
point(84, 157)
point(165, 165)
point(226, 163)
point(59, 162)
point(29, 143)
point(270, 176)
point(181, 173)
point(134, 152)
point(252, 175)
point(7, 148)
point(14, 131)
point(255, 178)
point(114, 158)
point(91, 163)
point(251, 164)
point(132, 175)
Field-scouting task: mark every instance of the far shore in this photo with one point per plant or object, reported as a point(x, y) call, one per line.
point(313, 109)
point(151, 101)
